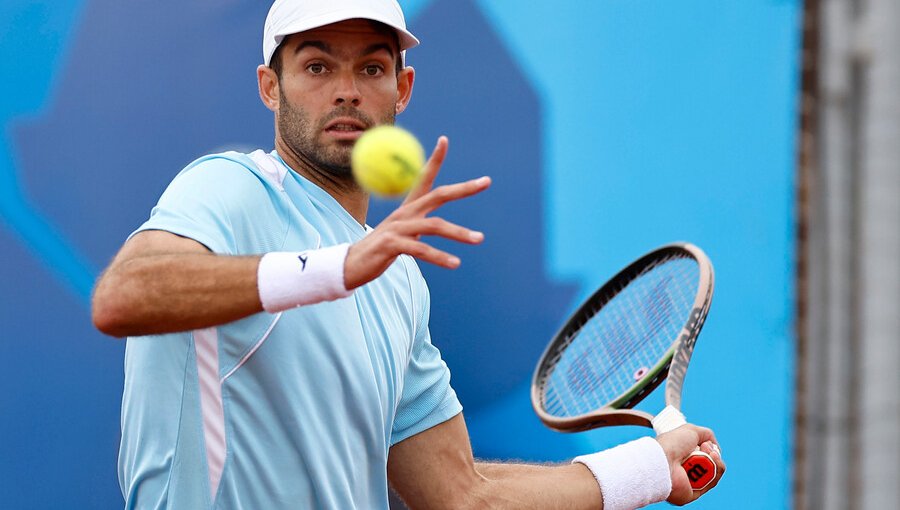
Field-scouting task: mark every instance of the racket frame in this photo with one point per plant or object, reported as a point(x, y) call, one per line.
point(671, 367)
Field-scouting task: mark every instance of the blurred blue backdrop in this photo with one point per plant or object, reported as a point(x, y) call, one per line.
point(609, 127)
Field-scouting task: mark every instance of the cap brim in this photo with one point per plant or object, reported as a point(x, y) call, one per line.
point(404, 36)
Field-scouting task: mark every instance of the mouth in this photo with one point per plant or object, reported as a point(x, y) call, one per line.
point(345, 128)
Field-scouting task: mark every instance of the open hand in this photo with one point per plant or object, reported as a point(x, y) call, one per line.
point(401, 232)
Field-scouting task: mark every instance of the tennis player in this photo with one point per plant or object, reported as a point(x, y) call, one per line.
point(279, 354)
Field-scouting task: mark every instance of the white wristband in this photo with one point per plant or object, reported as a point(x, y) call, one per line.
point(291, 279)
point(631, 475)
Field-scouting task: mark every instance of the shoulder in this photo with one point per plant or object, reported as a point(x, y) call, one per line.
point(227, 171)
point(228, 181)
point(225, 202)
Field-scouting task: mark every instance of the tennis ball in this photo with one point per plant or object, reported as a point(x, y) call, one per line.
point(387, 161)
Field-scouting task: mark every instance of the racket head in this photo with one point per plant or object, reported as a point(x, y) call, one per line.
point(619, 345)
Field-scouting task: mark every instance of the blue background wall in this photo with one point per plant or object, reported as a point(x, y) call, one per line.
point(609, 127)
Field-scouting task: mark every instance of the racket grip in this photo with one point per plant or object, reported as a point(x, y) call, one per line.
point(701, 470)
point(700, 467)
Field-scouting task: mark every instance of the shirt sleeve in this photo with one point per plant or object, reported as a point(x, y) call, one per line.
point(221, 204)
point(427, 398)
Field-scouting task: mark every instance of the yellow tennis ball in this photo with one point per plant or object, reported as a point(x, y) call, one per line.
point(387, 161)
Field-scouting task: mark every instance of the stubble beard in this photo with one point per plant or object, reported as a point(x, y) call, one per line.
point(301, 135)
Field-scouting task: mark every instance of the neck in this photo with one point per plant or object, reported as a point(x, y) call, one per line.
point(344, 189)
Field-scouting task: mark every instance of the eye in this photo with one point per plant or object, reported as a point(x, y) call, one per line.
point(316, 68)
point(373, 70)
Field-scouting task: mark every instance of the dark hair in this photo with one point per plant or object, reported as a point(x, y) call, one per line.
point(276, 64)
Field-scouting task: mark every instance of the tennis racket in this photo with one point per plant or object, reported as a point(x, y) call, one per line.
point(637, 329)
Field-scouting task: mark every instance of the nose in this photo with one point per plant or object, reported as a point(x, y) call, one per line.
point(346, 90)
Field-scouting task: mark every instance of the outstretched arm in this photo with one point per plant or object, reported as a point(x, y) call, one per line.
point(436, 469)
point(160, 282)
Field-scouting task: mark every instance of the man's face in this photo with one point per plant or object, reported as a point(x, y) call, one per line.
point(336, 81)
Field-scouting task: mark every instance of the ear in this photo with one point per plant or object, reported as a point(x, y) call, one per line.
point(268, 87)
point(405, 81)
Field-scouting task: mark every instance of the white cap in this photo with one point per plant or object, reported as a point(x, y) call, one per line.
point(288, 17)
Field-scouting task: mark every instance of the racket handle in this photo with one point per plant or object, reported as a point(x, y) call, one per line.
point(701, 470)
point(700, 467)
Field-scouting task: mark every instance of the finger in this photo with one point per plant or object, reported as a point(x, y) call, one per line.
point(447, 193)
point(430, 170)
point(428, 253)
point(712, 449)
point(370, 257)
point(434, 226)
point(716, 453)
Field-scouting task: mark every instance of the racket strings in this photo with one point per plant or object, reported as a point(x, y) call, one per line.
point(626, 337)
point(595, 368)
point(620, 344)
point(622, 339)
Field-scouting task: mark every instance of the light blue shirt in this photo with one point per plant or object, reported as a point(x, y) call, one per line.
point(293, 410)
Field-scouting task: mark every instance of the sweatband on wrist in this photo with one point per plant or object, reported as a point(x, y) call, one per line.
point(290, 279)
point(631, 475)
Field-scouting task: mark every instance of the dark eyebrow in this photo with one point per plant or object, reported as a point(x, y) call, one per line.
point(313, 44)
point(373, 48)
point(377, 47)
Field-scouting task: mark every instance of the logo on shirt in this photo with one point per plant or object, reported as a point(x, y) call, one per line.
point(303, 258)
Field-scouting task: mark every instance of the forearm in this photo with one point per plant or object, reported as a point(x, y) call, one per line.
point(171, 292)
point(562, 487)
